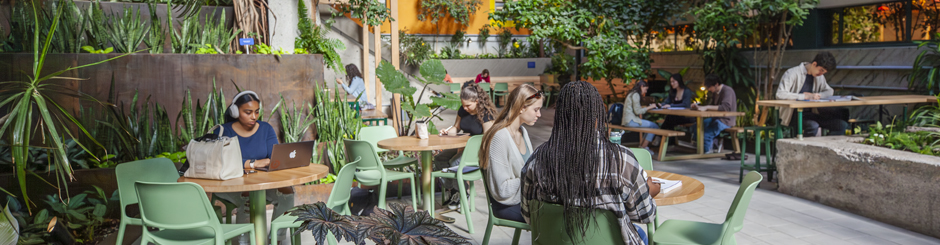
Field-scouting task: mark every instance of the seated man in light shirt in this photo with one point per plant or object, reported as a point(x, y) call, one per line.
point(806, 82)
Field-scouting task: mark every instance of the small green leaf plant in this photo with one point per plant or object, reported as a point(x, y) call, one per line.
point(91, 50)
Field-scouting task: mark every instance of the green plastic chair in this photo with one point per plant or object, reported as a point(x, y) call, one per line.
point(691, 232)
point(547, 91)
point(371, 171)
point(375, 134)
point(493, 220)
point(500, 91)
point(151, 170)
point(548, 226)
point(182, 214)
point(470, 157)
point(455, 88)
point(486, 88)
point(338, 201)
point(646, 162)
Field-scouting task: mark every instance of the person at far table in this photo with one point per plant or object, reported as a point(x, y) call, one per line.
point(806, 82)
point(356, 86)
point(483, 77)
point(680, 96)
point(720, 98)
point(632, 111)
point(506, 148)
point(580, 169)
point(475, 117)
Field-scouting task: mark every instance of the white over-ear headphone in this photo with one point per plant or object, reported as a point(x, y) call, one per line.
point(233, 109)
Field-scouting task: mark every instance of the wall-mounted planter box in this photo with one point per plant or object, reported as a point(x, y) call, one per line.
point(165, 78)
point(896, 187)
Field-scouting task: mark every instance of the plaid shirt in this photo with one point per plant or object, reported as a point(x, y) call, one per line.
point(632, 203)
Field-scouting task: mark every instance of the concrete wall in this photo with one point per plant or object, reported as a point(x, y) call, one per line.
point(896, 187)
point(282, 23)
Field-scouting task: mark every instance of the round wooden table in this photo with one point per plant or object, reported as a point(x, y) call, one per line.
point(691, 189)
point(425, 146)
point(256, 183)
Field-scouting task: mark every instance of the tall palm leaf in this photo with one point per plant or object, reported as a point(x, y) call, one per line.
point(32, 99)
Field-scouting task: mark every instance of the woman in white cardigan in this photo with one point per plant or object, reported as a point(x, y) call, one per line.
point(506, 148)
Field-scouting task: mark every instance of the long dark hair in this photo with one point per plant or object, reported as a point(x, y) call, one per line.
point(638, 88)
point(578, 148)
point(681, 83)
point(241, 100)
point(352, 71)
point(485, 106)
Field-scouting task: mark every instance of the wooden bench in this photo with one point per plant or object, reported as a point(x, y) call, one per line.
point(373, 117)
point(664, 141)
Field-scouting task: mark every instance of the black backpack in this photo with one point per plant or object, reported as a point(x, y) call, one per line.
point(615, 113)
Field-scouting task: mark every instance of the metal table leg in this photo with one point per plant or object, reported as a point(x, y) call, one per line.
point(799, 123)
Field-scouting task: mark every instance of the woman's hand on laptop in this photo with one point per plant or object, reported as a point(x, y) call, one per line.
point(262, 162)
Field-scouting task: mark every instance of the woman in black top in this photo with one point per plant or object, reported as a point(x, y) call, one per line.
point(475, 117)
point(679, 96)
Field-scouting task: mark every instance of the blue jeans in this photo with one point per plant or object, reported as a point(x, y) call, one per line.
point(642, 233)
point(644, 124)
point(712, 128)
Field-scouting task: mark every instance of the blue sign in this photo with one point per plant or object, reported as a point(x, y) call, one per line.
point(246, 41)
point(531, 64)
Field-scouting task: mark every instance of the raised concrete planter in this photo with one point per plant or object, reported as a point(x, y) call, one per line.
point(896, 187)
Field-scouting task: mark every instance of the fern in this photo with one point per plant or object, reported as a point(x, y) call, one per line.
point(312, 39)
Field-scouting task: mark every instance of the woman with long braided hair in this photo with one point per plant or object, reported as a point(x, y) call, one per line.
point(505, 149)
point(580, 169)
point(475, 117)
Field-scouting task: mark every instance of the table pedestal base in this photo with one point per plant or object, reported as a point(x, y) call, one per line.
point(426, 161)
point(258, 214)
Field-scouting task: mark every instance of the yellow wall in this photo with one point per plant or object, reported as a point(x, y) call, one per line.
point(408, 20)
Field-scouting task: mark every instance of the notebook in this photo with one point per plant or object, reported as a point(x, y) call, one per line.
point(668, 185)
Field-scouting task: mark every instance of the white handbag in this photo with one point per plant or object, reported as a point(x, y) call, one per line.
point(219, 158)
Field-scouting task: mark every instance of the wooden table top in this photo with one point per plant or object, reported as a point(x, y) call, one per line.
point(373, 114)
point(697, 113)
point(263, 180)
point(691, 189)
point(433, 142)
point(869, 100)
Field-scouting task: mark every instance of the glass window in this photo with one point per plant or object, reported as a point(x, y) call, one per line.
point(885, 22)
point(926, 16)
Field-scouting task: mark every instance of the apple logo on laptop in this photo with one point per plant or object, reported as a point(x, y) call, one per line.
point(293, 154)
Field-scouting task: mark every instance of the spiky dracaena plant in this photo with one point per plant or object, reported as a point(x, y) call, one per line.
point(32, 98)
point(127, 32)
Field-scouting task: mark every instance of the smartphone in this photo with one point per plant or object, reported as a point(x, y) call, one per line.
point(659, 106)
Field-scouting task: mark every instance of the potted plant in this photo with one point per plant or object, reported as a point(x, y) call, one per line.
point(400, 224)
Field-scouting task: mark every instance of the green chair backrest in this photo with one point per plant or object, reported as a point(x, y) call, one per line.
point(149, 170)
point(501, 87)
point(471, 152)
point(339, 196)
point(176, 206)
point(548, 226)
point(485, 86)
point(362, 150)
point(734, 222)
point(643, 157)
point(374, 134)
point(455, 87)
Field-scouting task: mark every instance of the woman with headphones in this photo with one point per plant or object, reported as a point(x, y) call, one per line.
point(256, 139)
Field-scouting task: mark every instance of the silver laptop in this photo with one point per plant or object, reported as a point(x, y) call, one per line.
point(291, 155)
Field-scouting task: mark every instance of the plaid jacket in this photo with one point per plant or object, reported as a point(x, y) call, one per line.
point(631, 203)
